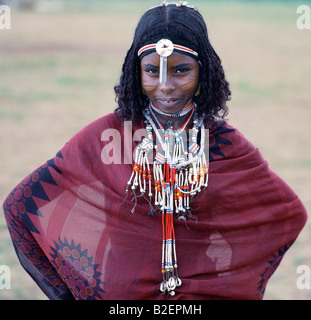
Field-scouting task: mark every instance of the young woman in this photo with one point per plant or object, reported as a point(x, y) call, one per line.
point(162, 199)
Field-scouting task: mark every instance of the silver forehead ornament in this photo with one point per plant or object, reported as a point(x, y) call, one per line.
point(164, 49)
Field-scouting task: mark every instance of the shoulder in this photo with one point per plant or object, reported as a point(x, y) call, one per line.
point(93, 130)
point(89, 136)
point(92, 137)
point(226, 141)
point(111, 121)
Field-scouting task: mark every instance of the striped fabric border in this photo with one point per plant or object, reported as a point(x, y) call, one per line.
point(176, 47)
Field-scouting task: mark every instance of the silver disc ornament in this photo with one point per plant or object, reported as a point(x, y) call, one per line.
point(164, 49)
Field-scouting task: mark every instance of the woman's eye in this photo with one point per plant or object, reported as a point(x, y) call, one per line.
point(152, 71)
point(155, 72)
point(182, 70)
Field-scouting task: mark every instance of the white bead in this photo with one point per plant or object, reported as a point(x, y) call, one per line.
point(163, 286)
point(178, 282)
point(171, 284)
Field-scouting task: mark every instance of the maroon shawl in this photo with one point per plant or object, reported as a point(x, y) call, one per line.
point(76, 238)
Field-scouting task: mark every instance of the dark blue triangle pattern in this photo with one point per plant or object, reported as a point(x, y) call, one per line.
point(269, 270)
point(217, 140)
point(77, 270)
point(20, 202)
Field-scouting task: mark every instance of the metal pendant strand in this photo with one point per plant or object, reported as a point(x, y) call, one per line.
point(164, 49)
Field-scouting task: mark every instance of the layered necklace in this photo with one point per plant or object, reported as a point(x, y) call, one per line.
point(178, 174)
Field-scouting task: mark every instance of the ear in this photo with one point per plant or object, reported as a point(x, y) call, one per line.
point(198, 90)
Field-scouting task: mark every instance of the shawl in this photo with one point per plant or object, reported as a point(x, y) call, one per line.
point(75, 234)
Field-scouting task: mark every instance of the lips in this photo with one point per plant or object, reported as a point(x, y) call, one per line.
point(168, 103)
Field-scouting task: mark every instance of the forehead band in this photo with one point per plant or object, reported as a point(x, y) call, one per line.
point(177, 48)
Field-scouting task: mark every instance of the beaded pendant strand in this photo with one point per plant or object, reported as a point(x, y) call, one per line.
point(178, 173)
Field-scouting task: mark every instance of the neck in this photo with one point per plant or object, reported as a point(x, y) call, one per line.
point(185, 110)
point(175, 121)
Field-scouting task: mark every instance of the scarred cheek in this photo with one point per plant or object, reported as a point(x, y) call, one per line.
point(188, 85)
point(149, 85)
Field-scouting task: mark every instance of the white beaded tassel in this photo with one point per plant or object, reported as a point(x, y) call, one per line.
point(185, 173)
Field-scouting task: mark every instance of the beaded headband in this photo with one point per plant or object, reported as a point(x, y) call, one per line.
point(177, 48)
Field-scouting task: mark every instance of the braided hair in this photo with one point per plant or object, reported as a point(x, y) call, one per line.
point(185, 26)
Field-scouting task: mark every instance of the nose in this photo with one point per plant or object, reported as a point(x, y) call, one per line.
point(167, 86)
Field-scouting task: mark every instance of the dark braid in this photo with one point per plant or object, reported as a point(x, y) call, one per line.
point(184, 26)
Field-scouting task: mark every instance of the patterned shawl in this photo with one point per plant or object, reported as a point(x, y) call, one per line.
point(78, 240)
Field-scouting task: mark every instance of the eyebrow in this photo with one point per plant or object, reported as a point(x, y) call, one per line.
point(182, 65)
point(149, 65)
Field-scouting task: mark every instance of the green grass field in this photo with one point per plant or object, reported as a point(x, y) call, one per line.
point(58, 69)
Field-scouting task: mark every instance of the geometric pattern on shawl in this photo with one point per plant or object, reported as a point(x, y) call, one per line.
point(216, 140)
point(272, 266)
point(77, 270)
point(27, 195)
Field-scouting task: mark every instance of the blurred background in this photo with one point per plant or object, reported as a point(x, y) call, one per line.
point(60, 61)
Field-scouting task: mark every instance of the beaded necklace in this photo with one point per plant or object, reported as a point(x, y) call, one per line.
point(185, 110)
point(178, 173)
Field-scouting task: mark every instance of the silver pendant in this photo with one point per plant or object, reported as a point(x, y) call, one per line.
point(164, 49)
